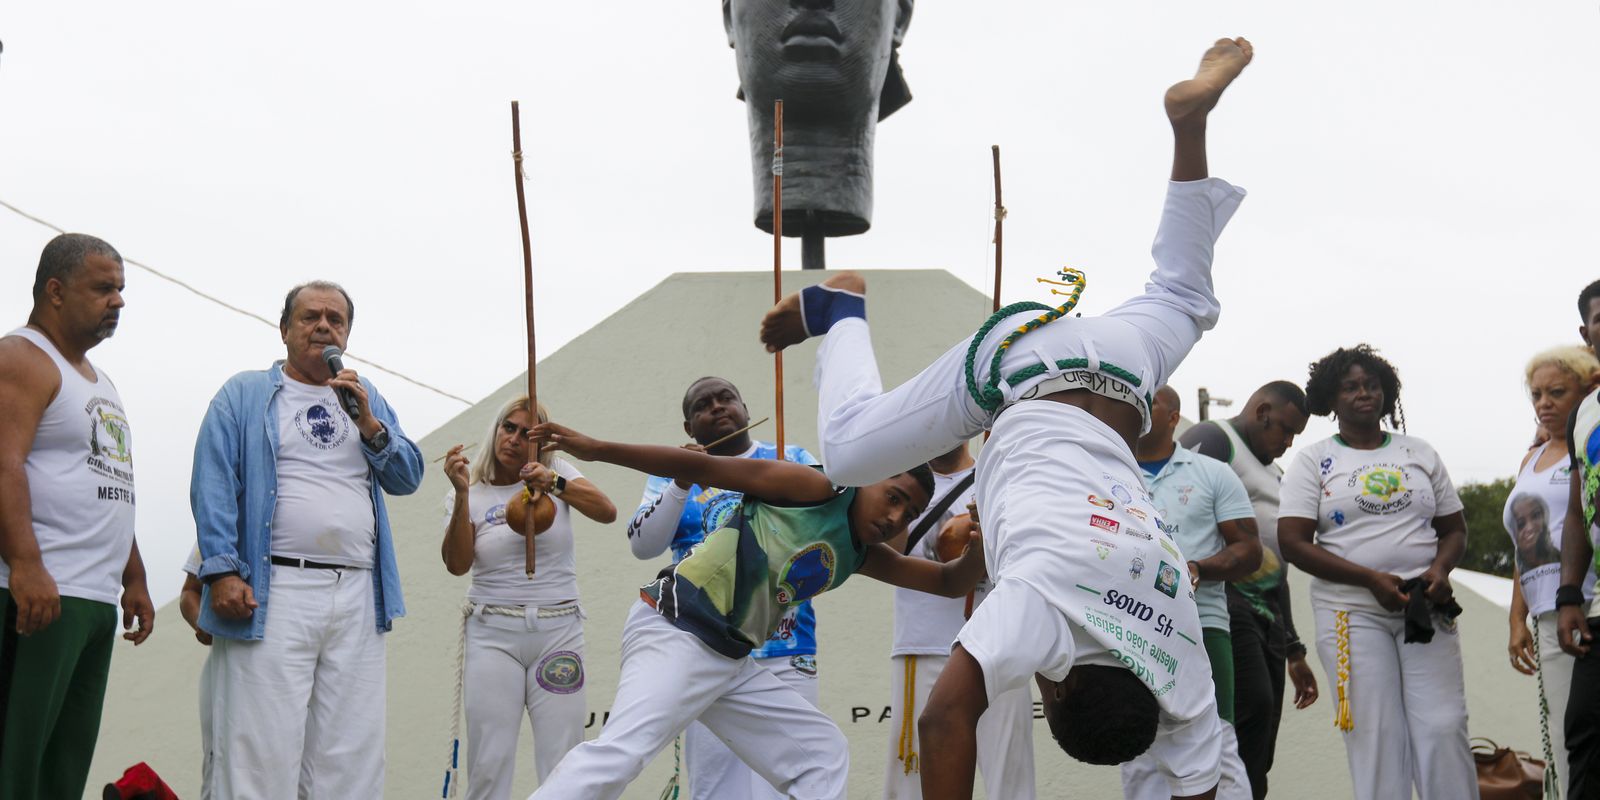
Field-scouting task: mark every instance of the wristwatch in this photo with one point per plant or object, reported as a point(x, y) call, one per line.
point(379, 440)
point(558, 486)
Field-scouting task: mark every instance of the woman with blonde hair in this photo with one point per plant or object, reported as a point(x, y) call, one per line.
point(1557, 379)
point(522, 636)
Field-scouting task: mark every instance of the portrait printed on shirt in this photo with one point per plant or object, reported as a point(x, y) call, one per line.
point(1530, 530)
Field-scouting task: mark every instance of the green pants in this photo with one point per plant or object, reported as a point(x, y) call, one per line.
point(52, 685)
point(1219, 648)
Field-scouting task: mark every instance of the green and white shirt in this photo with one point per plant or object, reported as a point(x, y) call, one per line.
point(1372, 507)
point(760, 559)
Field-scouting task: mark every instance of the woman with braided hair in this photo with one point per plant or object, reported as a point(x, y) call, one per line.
point(1373, 517)
point(521, 637)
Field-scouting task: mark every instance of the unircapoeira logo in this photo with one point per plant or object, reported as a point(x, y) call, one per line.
point(561, 672)
point(1383, 488)
point(807, 574)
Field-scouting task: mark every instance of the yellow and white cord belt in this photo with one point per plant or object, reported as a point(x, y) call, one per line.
point(908, 719)
point(452, 777)
point(1341, 630)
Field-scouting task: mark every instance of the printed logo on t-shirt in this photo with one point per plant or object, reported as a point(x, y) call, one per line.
point(1337, 517)
point(1136, 568)
point(1102, 548)
point(1383, 488)
point(1326, 466)
point(1183, 494)
point(1097, 500)
point(1137, 513)
point(110, 448)
point(718, 505)
point(495, 515)
point(805, 665)
point(808, 574)
point(1167, 580)
point(1121, 493)
point(1171, 550)
point(321, 428)
point(1104, 523)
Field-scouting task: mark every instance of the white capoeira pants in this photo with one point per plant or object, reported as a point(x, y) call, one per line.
point(670, 678)
point(207, 747)
point(539, 660)
point(868, 435)
point(1408, 704)
point(1005, 736)
point(714, 772)
point(1142, 778)
point(300, 713)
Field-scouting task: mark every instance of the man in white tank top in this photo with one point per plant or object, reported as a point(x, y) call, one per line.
point(66, 523)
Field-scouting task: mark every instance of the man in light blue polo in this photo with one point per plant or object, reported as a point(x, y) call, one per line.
point(298, 563)
point(1205, 508)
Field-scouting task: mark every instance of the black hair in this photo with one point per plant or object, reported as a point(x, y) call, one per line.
point(64, 255)
point(1589, 294)
point(688, 394)
point(1109, 715)
point(1286, 392)
point(924, 477)
point(325, 286)
point(1322, 386)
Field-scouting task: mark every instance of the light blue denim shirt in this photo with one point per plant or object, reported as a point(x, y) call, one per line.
point(233, 492)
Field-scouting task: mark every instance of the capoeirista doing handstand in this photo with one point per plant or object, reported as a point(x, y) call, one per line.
point(686, 644)
point(1092, 594)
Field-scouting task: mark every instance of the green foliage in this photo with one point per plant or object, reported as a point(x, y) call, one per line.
point(1488, 544)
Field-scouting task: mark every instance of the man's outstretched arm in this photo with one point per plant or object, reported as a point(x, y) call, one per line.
point(948, 729)
point(783, 481)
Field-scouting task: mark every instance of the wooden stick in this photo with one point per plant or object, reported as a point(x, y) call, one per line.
point(999, 245)
point(777, 249)
point(447, 455)
point(999, 223)
point(737, 432)
point(529, 560)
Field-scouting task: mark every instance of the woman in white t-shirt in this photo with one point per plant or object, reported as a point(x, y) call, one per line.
point(1365, 512)
point(1557, 379)
point(522, 637)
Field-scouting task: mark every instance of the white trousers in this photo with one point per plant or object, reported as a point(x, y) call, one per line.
point(300, 713)
point(867, 434)
point(207, 747)
point(1408, 704)
point(540, 661)
point(714, 772)
point(1005, 735)
point(1555, 670)
point(1142, 778)
point(668, 679)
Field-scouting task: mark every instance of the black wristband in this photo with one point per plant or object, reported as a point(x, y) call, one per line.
point(1568, 595)
point(1295, 649)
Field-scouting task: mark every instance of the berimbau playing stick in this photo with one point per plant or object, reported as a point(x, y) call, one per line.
point(777, 249)
point(737, 432)
point(530, 559)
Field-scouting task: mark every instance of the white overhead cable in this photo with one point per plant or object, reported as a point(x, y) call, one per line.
point(237, 310)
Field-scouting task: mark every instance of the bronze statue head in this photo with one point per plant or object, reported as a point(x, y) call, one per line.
point(835, 66)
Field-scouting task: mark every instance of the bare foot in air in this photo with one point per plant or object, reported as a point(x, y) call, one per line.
point(783, 325)
point(1189, 101)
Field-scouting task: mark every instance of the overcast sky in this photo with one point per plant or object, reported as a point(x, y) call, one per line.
point(1421, 178)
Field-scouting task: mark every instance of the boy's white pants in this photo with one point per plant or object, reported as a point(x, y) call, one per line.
point(1142, 778)
point(1408, 704)
point(529, 659)
point(867, 434)
point(669, 678)
point(300, 713)
point(714, 772)
point(1005, 735)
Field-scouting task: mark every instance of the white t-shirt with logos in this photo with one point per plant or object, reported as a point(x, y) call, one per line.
point(927, 624)
point(499, 553)
point(324, 503)
point(1374, 508)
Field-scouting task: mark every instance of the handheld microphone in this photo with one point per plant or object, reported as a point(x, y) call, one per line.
point(332, 355)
